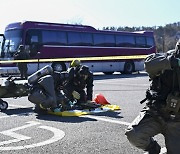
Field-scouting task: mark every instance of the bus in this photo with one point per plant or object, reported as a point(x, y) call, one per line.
point(45, 40)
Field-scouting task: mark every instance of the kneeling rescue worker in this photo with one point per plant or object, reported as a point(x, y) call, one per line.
point(162, 111)
point(46, 90)
point(80, 83)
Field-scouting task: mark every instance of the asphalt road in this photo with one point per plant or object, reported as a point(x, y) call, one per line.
point(23, 131)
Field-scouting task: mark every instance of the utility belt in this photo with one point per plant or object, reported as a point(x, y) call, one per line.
point(168, 108)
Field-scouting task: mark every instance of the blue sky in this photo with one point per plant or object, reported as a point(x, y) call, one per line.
point(97, 13)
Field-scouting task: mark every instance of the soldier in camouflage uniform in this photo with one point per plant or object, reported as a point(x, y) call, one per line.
point(161, 115)
point(22, 55)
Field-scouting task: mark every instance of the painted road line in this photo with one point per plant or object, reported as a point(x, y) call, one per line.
point(18, 137)
point(19, 106)
point(89, 116)
point(163, 150)
point(114, 82)
point(106, 120)
point(58, 135)
point(14, 115)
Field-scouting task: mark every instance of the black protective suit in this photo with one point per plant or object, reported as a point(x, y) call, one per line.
point(79, 83)
point(47, 92)
point(161, 114)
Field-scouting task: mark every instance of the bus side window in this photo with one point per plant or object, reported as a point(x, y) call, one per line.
point(104, 40)
point(140, 41)
point(150, 41)
point(32, 36)
point(79, 39)
point(125, 41)
point(33, 40)
point(53, 37)
point(86, 39)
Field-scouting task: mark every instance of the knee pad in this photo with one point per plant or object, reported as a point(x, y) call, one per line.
point(131, 135)
point(48, 102)
point(37, 96)
point(137, 138)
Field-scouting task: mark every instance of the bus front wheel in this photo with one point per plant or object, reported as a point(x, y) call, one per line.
point(59, 67)
point(128, 67)
point(3, 105)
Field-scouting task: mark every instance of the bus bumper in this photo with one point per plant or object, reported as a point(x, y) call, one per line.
point(6, 71)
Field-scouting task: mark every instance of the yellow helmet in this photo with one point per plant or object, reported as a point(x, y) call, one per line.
point(75, 63)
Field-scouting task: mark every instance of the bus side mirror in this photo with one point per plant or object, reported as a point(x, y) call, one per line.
point(34, 49)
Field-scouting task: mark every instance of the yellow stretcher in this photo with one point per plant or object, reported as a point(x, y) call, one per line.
point(103, 108)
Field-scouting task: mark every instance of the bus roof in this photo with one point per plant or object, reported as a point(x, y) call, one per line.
point(46, 25)
point(70, 27)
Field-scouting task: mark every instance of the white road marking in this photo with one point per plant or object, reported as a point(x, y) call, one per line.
point(18, 137)
point(14, 115)
point(58, 135)
point(89, 116)
point(163, 150)
point(107, 120)
point(114, 82)
point(17, 106)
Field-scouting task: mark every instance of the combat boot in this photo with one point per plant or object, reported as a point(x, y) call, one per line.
point(153, 148)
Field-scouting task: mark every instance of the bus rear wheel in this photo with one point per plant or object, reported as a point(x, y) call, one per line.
point(59, 67)
point(128, 67)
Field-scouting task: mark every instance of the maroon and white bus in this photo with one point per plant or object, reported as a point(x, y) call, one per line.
point(52, 40)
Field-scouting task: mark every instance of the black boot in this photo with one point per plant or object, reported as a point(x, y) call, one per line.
point(153, 148)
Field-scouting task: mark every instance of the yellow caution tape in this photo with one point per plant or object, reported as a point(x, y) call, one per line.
point(79, 58)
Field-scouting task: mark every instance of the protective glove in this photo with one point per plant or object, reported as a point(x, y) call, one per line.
point(58, 109)
point(76, 95)
point(88, 101)
point(178, 61)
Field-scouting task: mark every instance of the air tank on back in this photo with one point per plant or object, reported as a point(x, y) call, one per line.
point(40, 73)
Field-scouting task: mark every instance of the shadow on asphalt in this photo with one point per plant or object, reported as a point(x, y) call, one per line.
point(19, 111)
point(76, 119)
point(44, 116)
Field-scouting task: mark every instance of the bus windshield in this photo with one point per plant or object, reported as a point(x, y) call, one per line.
point(12, 42)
